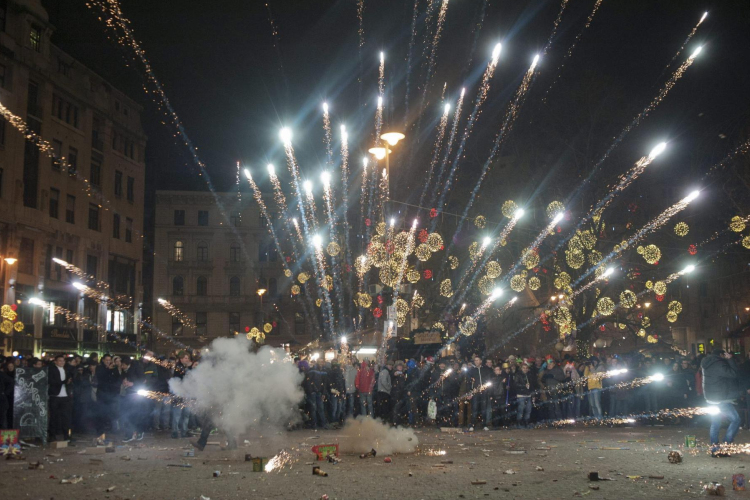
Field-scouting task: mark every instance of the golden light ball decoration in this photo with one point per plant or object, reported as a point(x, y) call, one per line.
point(555, 208)
point(296, 290)
point(18, 326)
point(639, 249)
point(681, 229)
point(453, 262)
point(509, 208)
point(364, 299)
point(675, 307)
point(377, 254)
point(380, 228)
point(434, 242)
point(534, 283)
point(562, 316)
point(518, 283)
point(402, 306)
point(318, 302)
point(438, 326)
point(651, 340)
point(575, 258)
point(361, 265)
point(605, 306)
point(267, 327)
point(660, 288)
point(474, 251)
point(628, 299)
point(588, 239)
point(333, 249)
point(6, 327)
point(412, 276)
point(486, 285)
point(390, 273)
point(595, 256)
point(288, 273)
point(649, 284)
point(403, 243)
point(671, 316)
point(417, 301)
point(468, 326)
point(746, 242)
point(641, 332)
point(480, 221)
point(446, 288)
point(562, 280)
point(646, 322)
point(493, 269)
point(575, 244)
point(328, 282)
point(530, 259)
point(651, 254)
point(737, 224)
point(423, 252)
point(303, 277)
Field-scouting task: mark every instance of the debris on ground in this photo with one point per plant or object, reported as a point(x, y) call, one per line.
point(317, 472)
point(539, 469)
point(387, 460)
point(674, 457)
point(509, 471)
point(369, 454)
point(110, 489)
point(715, 489)
point(72, 480)
point(478, 482)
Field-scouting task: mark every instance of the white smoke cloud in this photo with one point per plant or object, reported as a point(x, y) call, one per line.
point(363, 434)
point(242, 390)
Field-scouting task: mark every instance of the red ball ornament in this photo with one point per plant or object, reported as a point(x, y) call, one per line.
point(602, 327)
point(247, 329)
point(377, 312)
point(427, 274)
point(433, 213)
point(14, 307)
point(442, 247)
point(368, 222)
point(288, 259)
point(660, 297)
point(559, 229)
point(692, 249)
point(274, 324)
point(380, 299)
point(423, 235)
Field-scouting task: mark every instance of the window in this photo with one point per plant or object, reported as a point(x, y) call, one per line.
point(93, 217)
point(128, 230)
point(26, 256)
point(203, 217)
point(116, 321)
point(202, 286)
point(95, 176)
point(92, 264)
point(178, 286)
point(201, 323)
point(64, 110)
point(131, 189)
point(118, 183)
point(116, 226)
point(54, 202)
point(97, 134)
point(179, 217)
point(70, 209)
point(235, 219)
point(234, 323)
point(273, 288)
point(234, 286)
point(58, 154)
point(202, 254)
point(32, 104)
point(35, 38)
point(72, 162)
point(176, 326)
point(178, 252)
point(234, 252)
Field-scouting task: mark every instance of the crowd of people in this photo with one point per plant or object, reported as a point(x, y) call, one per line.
point(100, 395)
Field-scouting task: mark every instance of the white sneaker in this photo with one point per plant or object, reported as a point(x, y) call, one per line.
point(486, 428)
point(471, 429)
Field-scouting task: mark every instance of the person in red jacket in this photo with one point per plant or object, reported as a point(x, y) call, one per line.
point(364, 382)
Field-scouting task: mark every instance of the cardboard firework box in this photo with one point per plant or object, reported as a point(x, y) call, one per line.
point(9, 442)
point(259, 464)
point(323, 450)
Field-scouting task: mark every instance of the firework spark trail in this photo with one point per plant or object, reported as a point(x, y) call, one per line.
point(329, 203)
point(378, 119)
point(484, 89)
point(319, 258)
point(328, 138)
point(410, 240)
point(718, 233)
point(679, 72)
point(569, 53)
point(345, 199)
point(278, 193)
point(742, 149)
point(363, 198)
point(432, 7)
point(276, 39)
point(361, 33)
point(442, 126)
point(650, 227)
point(448, 149)
point(412, 39)
point(176, 313)
point(477, 30)
point(682, 47)
point(432, 59)
point(555, 26)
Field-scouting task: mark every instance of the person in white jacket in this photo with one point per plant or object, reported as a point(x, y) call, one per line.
point(383, 403)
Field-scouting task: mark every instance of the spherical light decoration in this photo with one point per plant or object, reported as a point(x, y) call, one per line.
point(390, 274)
point(605, 306)
point(563, 279)
point(555, 208)
point(639, 249)
point(671, 316)
point(254, 332)
point(486, 285)
point(530, 259)
point(267, 327)
point(6, 327)
point(333, 249)
point(453, 262)
point(435, 242)
point(646, 322)
point(318, 302)
point(296, 289)
point(423, 252)
point(675, 307)
point(681, 229)
point(746, 242)
point(575, 244)
point(480, 221)
point(562, 316)
point(649, 284)
point(5, 309)
point(380, 228)
point(18, 326)
point(737, 224)
point(468, 326)
point(534, 283)
point(650, 339)
point(517, 283)
point(288, 273)
point(403, 243)
point(595, 256)
point(493, 269)
point(509, 209)
point(622, 326)
point(361, 265)
point(641, 332)
point(628, 299)
point(303, 277)
point(400, 320)
point(446, 288)
point(588, 240)
point(377, 312)
point(328, 282)
point(575, 258)
point(11, 315)
point(660, 288)
point(365, 301)
point(417, 301)
point(651, 254)
point(377, 254)
point(438, 326)
point(402, 306)
point(413, 276)
point(474, 251)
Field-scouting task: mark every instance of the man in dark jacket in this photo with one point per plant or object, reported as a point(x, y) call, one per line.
point(107, 392)
point(60, 399)
point(181, 413)
point(337, 390)
point(524, 384)
point(480, 380)
point(316, 380)
point(552, 378)
point(398, 392)
point(721, 388)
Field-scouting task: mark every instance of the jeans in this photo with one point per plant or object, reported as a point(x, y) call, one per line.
point(350, 398)
point(384, 405)
point(524, 410)
point(595, 403)
point(650, 403)
point(180, 419)
point(337, 407)
point(728, 410)
point(365, 399)
point(480, 405)
point(160, 414)
point(132, 414)
point(60, 412)
point(317, 410)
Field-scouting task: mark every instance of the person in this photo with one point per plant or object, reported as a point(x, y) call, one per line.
point(316, 392)
point(161, 410)
point(8, 374)
point(181, 413)
point(688, 383)
point(398, 391)
point(524, 384)
point(364, 382)
point(479, 375)
point(108, 389)
point(497, 391)
point(592, 372)
point(721, 388)
point(350, 377)
point(60, 392)
point(384, 391)
point(337, 393)
point(132, 405)
point(84, 397)
point(552, 378)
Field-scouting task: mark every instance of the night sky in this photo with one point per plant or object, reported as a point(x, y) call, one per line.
point(234, 84)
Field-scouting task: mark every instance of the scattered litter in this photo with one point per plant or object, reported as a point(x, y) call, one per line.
point(332, 460)
point(656, 477)
point(614, 448)
point(317, 472)
point(715, 489)
point(95, 461)
point(369, 454)
point(509, 471)
point(71, 480)
point(634, 477)
point(324, 497)
point(387, 460)
point(186, 466)
point(738, 482)
point(189, 453)
point(58, 444)
point(410, 474)
point(125, 457)
point(110, 489)
point(446, 461)
point(205, 497)
point(217, 473)
point(478, 482)
point(593, 476)
point(515, 452)
point(593, 487)
point(35, 465)
point(539, 469)
point(674, 457)
point(690, 442)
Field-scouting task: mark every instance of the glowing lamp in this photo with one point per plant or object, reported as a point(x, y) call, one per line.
point(378, 153)
point(392, 138)
point(10, 260)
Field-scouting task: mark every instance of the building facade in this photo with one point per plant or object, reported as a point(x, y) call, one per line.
point(213, 254)
point(87, 210)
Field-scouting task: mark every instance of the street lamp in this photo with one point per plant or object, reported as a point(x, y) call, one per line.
point(391, 138)
point(260, 293)
point(10, 260)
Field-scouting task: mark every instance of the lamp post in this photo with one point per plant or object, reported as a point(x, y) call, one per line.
point(10, 295)
point(391, 139)
point(261, 292)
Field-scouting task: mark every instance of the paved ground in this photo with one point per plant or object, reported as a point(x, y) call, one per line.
point(567, 456)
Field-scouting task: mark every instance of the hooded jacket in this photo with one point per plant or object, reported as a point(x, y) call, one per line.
point(365, 380)
point(336, 379)
point(524, 383)
point(384, 381)
point(720, 382)
point(317, 379)
point(479, 376)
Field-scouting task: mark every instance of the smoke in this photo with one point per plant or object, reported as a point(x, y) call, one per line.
point(242, 390)
point(362, 434)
